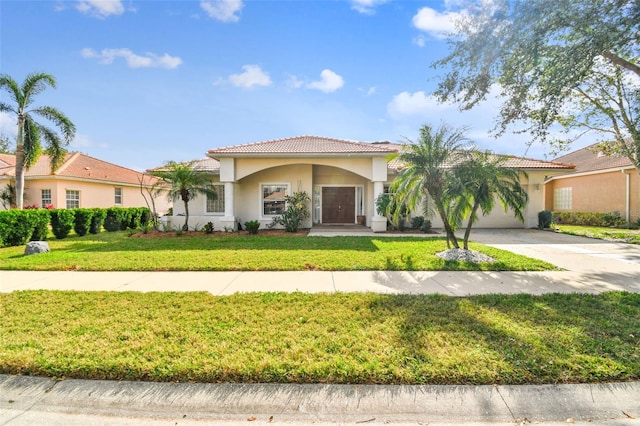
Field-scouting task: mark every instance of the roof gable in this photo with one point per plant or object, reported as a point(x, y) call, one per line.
point(301, 146)
point(591, 159)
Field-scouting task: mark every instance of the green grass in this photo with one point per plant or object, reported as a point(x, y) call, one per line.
point(322, 338)
point(221, 252)
point(615, 234)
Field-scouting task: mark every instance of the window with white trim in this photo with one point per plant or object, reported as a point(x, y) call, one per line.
point(272, 198)
point(118, 196)
point(562, 198)
point(45, 198)
point(73, 198)
point(215, 204)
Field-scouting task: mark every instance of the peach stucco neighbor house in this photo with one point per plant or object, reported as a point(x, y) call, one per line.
point(599, 183)
point(343, 179)
point(81, 181)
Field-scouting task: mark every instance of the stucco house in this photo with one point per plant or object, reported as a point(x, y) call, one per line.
point(598, 183)
point(343, 179)
point(81, 181)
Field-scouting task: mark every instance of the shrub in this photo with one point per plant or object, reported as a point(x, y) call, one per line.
point(589, 218)
point(97, 220)
point(426, 226)
point(62, 222)
point(145, 216)
point(296, 212)
point(544, 219)
point(208, 228)
point(40, 220)
point(16, 227)
point(82, 221)
point(417, 222)
point(114, 219)
point(252, 226)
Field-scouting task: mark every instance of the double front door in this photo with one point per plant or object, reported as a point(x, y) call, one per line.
point(338, 205)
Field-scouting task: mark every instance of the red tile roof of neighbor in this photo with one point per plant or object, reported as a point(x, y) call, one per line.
point(591, 159)
point(80, 166)
point(303, 145)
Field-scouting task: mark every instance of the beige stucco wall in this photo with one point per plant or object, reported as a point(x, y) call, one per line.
point(357, 165)
point(600, 192)
point(92, 194)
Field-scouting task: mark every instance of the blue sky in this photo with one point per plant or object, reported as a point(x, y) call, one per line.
point(146, 82)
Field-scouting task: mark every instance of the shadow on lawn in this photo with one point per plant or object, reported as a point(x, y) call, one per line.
point(554, 338)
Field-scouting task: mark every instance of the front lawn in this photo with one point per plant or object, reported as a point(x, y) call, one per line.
point(322, 338)
point(232, 252)
point(631, 236)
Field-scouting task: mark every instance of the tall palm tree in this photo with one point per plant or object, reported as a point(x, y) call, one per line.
point(428, 172)
point(30, 132)
point(479, 182)
point(186, 183)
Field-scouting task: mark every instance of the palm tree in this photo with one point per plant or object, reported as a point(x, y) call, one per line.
point(30, 132)
point(186, 183)
point(428, 172)
point(479, 182)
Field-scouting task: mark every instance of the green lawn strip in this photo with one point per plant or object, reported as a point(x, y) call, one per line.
point(631, 236)
point(118, 252)
point(322, 338)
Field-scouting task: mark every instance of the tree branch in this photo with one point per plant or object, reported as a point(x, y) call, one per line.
point(622, 62)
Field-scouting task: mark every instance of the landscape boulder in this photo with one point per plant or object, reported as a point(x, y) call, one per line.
point(35, 247)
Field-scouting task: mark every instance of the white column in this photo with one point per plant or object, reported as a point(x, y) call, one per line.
point(228, 199)
point(378, 222)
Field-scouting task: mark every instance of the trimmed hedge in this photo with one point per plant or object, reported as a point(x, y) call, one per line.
point(40, 220)
point(97, 220)
point(82, 221)
point(16, 227)
point(608, 219)
point(62, 222)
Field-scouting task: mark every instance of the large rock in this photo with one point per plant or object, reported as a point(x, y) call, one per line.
point(35, 247)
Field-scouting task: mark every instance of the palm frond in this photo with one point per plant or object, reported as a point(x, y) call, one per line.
point(60, 120)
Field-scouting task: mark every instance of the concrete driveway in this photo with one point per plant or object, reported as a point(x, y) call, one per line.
point(598, 259)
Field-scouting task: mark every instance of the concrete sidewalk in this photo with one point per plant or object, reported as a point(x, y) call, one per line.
point(29, 401)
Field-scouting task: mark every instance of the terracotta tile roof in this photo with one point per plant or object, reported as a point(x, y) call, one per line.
point(509, 161)
point(302, 145)
point(203, 164)
point(80, 166)
point(591, 159)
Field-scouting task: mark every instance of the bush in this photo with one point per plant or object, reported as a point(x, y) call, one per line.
point(426, 226)
point(252, 226)
point(16, 227)
point(417, 222)
point(82, 221)
point(62, 221)
point(589, 218)
point(544, 219)
point(145, 216)
point(208, 228)
point(40, 220)
point(115, 216)
point(296, 212)
point(97, 220)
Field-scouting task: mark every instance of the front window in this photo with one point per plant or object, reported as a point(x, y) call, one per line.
point(216, 204)
point(273, 199)
point(46, 198)
point(73, 198)
point(118, 196)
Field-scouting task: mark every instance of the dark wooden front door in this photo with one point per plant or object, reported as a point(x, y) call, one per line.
point(338, 205)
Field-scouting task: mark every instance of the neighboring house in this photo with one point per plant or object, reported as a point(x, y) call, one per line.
point(81, 181)
point(343, 179)
point(599, 183)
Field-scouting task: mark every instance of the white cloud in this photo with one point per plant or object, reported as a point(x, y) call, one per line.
point(82, 141)
point(222, 10)
point(437, 24)
point(371, 91)
point(8, 125)
point(293, 82)
point(366, 6)
point(100, 8)
point(420, 40)
point(415, 104)
point(149, 60)
point(329, 82)
point(252, 76)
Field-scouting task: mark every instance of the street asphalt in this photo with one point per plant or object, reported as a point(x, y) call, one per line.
point(587, 265)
